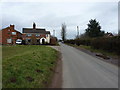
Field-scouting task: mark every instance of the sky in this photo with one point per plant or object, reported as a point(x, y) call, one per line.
point(51, 15)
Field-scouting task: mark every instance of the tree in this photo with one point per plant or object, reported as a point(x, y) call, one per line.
point(63, 32)
point(94, 29)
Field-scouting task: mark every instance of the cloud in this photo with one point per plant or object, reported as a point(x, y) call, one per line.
point(51, 15)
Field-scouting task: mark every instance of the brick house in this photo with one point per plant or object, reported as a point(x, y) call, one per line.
point(29, 36)
point(36, 35)
point(9, 35)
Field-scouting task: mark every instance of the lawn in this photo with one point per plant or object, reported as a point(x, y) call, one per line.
point(29, 66)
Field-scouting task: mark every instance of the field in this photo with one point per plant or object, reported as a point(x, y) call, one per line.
point(29, 66)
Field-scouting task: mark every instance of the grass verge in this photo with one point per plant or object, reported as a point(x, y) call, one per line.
point(0, 67)
point(29, 66)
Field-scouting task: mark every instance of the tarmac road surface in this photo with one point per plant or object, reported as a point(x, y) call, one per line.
point(81, 70)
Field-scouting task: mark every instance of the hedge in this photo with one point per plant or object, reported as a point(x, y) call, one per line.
point(111, 44)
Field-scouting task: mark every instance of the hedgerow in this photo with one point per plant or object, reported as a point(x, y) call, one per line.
point(111, 44)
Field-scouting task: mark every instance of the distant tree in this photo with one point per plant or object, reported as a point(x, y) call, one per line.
point(94, 29)
point(63, 32)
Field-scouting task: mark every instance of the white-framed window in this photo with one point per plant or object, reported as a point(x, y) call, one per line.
point(13, 33)
point(46, 35)
point(29, 35)
point(9, 40)
point(37, 35)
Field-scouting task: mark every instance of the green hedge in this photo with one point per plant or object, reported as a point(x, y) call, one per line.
point(111, 44)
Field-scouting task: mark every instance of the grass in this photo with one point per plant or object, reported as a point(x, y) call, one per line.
point(28, 66)
point(0, 67)
point(96, 50)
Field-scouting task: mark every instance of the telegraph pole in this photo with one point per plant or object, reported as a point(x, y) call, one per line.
point(77, 31)
point(54, 33)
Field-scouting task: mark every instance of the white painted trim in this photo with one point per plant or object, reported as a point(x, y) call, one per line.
point(41, 40)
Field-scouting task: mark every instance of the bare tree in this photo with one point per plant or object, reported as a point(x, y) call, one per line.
point(63, 32)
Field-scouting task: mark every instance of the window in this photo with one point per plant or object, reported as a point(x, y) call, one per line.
point(29, 35)
point(9, 40)
point(13, 33)
point(37, 35)
point(29, 40)
point(46, 35)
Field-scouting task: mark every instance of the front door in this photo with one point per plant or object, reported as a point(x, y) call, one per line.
point(43, 41)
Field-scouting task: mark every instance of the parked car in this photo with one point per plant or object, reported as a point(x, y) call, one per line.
point(19, 41)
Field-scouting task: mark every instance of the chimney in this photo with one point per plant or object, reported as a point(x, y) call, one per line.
point(34, 26)
point(12, 27)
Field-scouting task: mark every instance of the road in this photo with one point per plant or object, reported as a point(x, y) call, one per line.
point(81, 70)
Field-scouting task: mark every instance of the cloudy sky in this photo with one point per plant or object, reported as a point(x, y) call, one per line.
point(50, 15)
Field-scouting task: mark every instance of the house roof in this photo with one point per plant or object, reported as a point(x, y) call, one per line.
point(9, 28)
point(109, 34)
point(37, 30)
point(47, 32)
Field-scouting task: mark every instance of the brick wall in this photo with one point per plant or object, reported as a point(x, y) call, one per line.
point(53, 40)
point(9, 35)
point(33, 38)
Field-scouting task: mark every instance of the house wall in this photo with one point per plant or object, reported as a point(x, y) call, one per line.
point(35, 38)
point(48, 38)
point(0, 37)
point(7, 35)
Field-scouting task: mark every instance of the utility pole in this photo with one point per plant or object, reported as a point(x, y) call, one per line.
point(77, 31)
point(118, 32)
point(54, 33)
